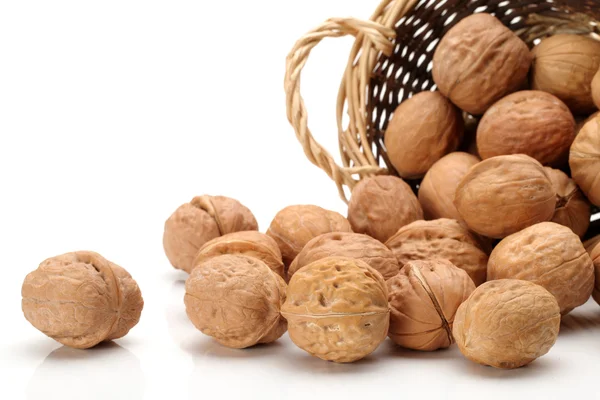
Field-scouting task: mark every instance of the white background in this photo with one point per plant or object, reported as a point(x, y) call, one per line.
point(114, 113)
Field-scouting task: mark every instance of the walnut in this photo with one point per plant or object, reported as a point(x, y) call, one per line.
point(294, 226)
point(423, 129)
point(549, 255)
point(478, 62)
point(507, 323)
point(581, 121)
point(573, 210)
point(337, 309)
point(564, 65)
point(438, 188)
point(505, 194)
point(346, 244)
point(236, 299)
point(381, 205)
point(594, 252)
point(591, 243)
point(596, 89)
point(529, 122)
point(584, 160)
point(203, 219)
point(81, 299)
point(424, 298)
point(444, 239)
point(249, 243)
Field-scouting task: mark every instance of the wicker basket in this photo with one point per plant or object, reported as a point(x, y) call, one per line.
point(391, 60)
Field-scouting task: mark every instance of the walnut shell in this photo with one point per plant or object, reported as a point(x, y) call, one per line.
point(549, 255)
point(249, 243)
point(294, 226)
point(584, 160)
point(423, 299)
point(478, 62)
point(507, 323)
point(81, 299)
point(596, 89)
point(594, 252)
point(381, 205)
point(337, 309)
point(423, 129)
point(529, 122)
point(236, 299)
point(591, 243)
point(347, 244)
point(573, 210)
point(203, 219)
point(581, 121)
point(444, 239)
point(505, 194)
point(564, 65)
point(438, 188)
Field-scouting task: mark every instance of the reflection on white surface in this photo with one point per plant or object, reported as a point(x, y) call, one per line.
point(107, 371)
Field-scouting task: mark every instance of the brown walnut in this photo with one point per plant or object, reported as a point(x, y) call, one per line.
point(423, 299)
point(573, 210)
point(203, 219)
point(596, 89)
point(423, 129)
point(584, 160)
point(478, 62)
point(236, 299)
point(591, 243)
point(549, 255)
point(505, 194)
point(81, 299)
point(381, 205)
point(594, 252)
point(507, 323)
point(337, 309)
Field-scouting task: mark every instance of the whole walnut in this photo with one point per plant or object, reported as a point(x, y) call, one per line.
point(347, 244)
point(438, 188)
point(584, 160)
point(478, 62)
point(550, 255)
point(381, 205)
point(249, 243)
point(337, 309)
point(596, 89)
point(529, 122)
point(564, 65)
point(294, 226)
point(423, 129)
point(507, 323)
point(81, 299)
point(236, 299)
point(202, 219)
point(444, 239)
point(594, 253)
point(423, 299)
point(573, 210)
point(505, 194)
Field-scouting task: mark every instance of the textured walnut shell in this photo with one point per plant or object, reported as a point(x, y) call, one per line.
point(505, 194)
point(81, 299)
point(596, 89)
point(423, 299)
point(573, 210)
point(507, 323)
point(423, 129)
point(337, 309)
point(549, 255)
point(444, 239)
point(249, 243)
point(591, 243)
point(594, 252)
point(530, 122)
point(584, 160)
point(294, 226)
point(438, 188)
point(564, 65)
point(478, 62)
point(203, 219)
point(381, 205)
point(347, 244)
point(236, 299)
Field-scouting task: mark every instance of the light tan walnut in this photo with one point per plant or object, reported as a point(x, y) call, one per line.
point(507, 323)
point(424, 298)
point(581, 121)
point(594, 252)
point(549, 255)
point(596, 89)
point(337, 309)
point(81, 299)
point(573, 210)
point(236, 299)
point(584, 160)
